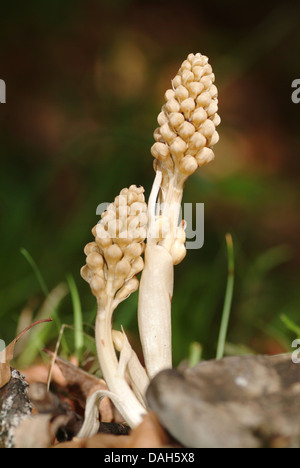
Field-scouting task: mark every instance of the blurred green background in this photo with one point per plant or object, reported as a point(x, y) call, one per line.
point(85, 82)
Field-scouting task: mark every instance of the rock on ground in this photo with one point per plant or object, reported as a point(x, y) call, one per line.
point(236, 402)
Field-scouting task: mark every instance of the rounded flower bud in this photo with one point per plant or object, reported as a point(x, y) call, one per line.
point(178, 147)
point(188, 165)
point(130, 287)
point(181, 93)
point(169, 94)
point(214, 139)
point(172, 106)
point(118, 339)
point(186, 77)
point(176, 120)
point(199, 116)
point(167, 134)
point(204, 99)
point(157, 135)
point(132, 197)
point(197, 141)
point(160, 151)
point(204, 156)
point(198, 71)
point(186, 130)
point(133, 250)
point(123, 268)
point(162, 118)
point(178, 252)
point(212, 108)
point(91, 247)
point(97, 285)
point(207, 128)
point(176, 81)
point(137, 266)
point(113, 254)
point(95, 261)
point(195, 88)
point(186, 65)
point(187, 107)
point(86, 273)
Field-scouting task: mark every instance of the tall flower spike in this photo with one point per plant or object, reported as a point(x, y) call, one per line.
point(112, 263)
point(184, 141)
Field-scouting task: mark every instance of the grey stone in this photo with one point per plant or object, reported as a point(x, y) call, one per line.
point(236, 402)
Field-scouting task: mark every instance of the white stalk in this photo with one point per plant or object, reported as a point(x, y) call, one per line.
point(157, 280)
point(154, 309)
point(126, 402)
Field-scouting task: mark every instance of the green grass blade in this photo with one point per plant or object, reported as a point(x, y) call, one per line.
point(36, 271)
point(195, 354)
point(290, 324)
point(228, 298)
point(77, 314)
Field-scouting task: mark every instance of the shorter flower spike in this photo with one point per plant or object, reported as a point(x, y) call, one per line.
point(112, 262)
point(115, 255)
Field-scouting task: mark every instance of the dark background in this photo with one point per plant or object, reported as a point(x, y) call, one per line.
point(85, 82)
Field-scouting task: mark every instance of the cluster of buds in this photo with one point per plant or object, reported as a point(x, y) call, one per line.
point(188, 119)
point(114, 258)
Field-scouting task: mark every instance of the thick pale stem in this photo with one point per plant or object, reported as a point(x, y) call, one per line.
point(172, 208)
point(126, 401)
point(154, 309)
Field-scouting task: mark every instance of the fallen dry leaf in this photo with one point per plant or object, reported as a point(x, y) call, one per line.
point(8, 353)
point(78, 381)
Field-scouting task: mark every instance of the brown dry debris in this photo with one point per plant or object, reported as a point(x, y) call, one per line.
point(149, 434)
point(81, 385)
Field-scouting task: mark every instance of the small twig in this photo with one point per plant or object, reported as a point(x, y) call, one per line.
point(53, 358)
